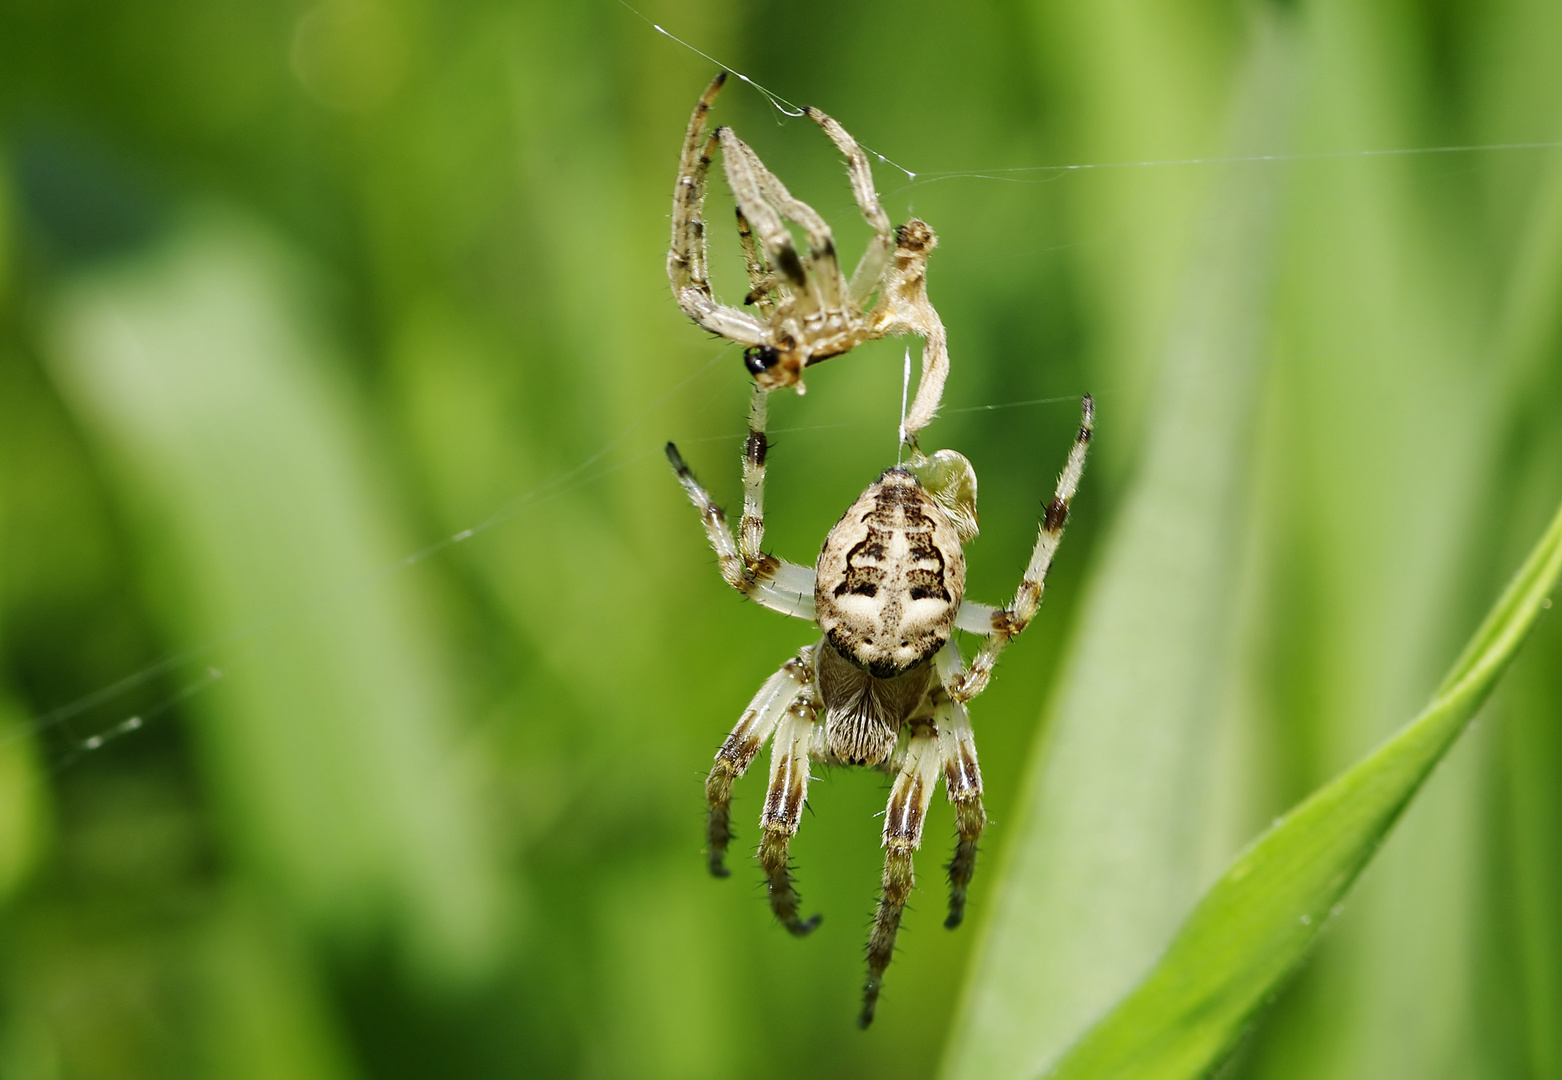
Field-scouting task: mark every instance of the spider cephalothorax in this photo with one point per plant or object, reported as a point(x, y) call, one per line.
point(806, 310)
point(885, 686)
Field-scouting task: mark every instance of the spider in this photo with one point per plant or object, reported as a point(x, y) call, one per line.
point(807, 310)
point(885, 687)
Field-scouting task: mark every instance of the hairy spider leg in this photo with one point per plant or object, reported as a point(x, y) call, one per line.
point(903, 308)
point(903, 821)
point(768, 205)
point(751, 528)
point(784, 801)
point(774, 583)
point(762, 279)
point(741, 746)
point(870, 268)
point(1006, 624)
point(687, 267)
point(823, 263)
point(962, 780)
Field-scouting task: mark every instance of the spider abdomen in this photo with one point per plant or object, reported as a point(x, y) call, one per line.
point(890, 578)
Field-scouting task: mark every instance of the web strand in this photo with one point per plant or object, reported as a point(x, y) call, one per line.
point(293, 615)
point(1015, 174)
point(781, 104)
point(905, 389)
point(250, 637)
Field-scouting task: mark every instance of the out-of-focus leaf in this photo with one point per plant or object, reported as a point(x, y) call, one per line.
point(1112, 839)
point(1114, 833)
point(21, 786)
point(328, 723)
point(264, 1010)
point(22, 816)
point(7, 229)
point(1253, 927)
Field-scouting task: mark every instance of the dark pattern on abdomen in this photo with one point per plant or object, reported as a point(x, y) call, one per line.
point(865, 566)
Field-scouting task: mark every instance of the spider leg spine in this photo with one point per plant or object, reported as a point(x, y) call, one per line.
point(903, 821)
point(784, 801)
point(742, 745)
point(962, 779)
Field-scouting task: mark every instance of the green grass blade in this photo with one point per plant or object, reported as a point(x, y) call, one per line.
point(1256, 923)
point(325, 728)
point(1117, 834)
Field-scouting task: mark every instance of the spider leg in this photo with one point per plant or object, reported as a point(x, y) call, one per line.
point(783, 809)
point(751, 529)
point(737, 752)
point(935, 371)
point(904, 308)
point(962, 780)
point(774, 583)
point(740, 162)
point(762, 279)
point(870, 268)
point(822, 259)
point(1006, 624)
point(687, 270)
point(903, 820)
point(753, 184)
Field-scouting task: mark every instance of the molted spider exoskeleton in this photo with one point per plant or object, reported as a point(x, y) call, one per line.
point(885, 687)
point(807, 311)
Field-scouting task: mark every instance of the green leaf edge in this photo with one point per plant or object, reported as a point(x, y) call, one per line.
point(1257, 921)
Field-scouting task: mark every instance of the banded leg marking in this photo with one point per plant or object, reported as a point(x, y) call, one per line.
point(826, 286)
point(822, 260)
point(761, 278)
point(903, 821)
point(686, 264)
point(756, 724)
point(687, 270)
point(751, 530)
point(775, 583)
point(783, 810)
point(870, 268)
point(963, 782)
point(1009, 622)
point(741, 163)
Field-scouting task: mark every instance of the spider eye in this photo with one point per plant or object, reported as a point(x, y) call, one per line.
point(760, 358)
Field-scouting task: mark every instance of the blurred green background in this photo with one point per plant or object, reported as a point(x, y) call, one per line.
point(299, 780)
